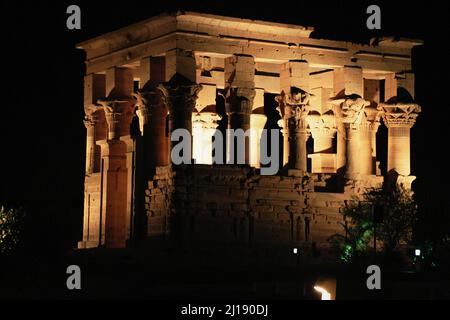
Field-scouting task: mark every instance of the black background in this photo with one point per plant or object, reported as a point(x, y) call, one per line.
point(42, 136)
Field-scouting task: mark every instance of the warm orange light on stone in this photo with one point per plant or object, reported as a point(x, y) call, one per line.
point(204, 127)
point(327, 92)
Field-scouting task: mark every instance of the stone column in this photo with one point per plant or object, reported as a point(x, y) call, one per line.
point(204, 125)
point(94, 88)
point(130, 154)
point(350, 113)
point(180, 96)
point(365, 148)
point(180, 91)
point(369, 128)
point(301, 133)
point(90, 123)
point(341, 146)
point(373, 129)
point(352, 153)
point(239, 97)
point(399, 118)
point(118, 114)
point(113, 219)
point(294, 108)
point(152, 113)
point(283, 123)
point(348, 104)
point(91, 212)
point(117, 173)
point(257, 123)
point(116, 170)
point(323, 130)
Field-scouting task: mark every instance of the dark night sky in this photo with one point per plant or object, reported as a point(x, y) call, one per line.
point(42, 135)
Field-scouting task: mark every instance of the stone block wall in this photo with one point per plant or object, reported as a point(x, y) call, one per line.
point(158, 197)
point(233, 205)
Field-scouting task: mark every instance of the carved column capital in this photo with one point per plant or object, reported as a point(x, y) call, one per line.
point(372, 118)
point(90, 117)
point(145, 102)
point(206, 120)
point(288, 103)
point(322, 126)
point(240, 100)
point(350, 110)
point(116, 111)
point(297, 97)
point(179, 96)
point(90, 122)
point(300, 113)
point(142, 111)
point(399, 114)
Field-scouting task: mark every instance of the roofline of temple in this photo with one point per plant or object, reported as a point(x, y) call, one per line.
point(207, 19)
point(170, 30)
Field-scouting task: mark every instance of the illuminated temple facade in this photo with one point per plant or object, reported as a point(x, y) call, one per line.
point(205, 73)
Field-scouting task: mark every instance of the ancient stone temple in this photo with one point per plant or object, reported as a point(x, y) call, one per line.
point(206, 74)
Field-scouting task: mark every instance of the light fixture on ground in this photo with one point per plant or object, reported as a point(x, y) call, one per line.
point(327, 287)
point(325, 294)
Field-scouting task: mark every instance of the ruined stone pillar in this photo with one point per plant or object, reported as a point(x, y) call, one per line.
point(399, 118)
point(239, 97)
point(294, 108)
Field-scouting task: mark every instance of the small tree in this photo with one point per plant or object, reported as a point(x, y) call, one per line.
point(399, 214)
point(358, 231)
point(11, 222)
